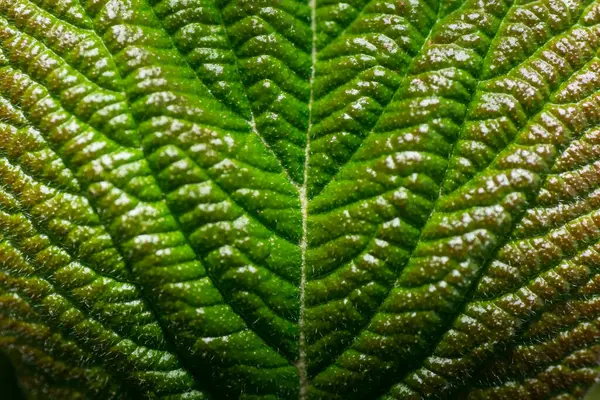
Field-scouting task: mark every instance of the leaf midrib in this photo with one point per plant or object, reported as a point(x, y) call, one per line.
point(301, 364)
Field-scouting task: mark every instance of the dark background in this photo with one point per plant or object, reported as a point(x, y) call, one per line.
point(9, 390)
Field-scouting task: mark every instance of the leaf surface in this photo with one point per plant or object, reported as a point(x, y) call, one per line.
point(287, 200)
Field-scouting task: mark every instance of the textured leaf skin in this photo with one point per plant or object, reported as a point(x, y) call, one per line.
point(210, 199)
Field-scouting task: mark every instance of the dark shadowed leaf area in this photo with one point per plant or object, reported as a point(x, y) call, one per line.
point(282, 199)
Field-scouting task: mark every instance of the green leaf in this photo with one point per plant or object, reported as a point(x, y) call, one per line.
point(263, 199)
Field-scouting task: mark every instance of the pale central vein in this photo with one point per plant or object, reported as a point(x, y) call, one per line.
point(304, 210)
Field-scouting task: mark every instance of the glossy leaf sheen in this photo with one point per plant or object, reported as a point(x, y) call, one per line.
point(264, 199)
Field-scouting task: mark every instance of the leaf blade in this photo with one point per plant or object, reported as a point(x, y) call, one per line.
point(282, 200)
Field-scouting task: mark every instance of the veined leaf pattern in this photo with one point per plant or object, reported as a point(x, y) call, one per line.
point(219, 199)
